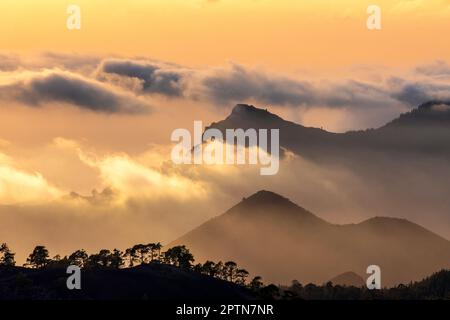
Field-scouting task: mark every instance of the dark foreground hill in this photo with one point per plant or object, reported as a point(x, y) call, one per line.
point(273, 237)
point(434, 287)
point(163, 283)
point(151, 281)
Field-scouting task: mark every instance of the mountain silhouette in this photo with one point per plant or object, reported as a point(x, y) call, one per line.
point(282, 241)
point(432, 113)
point(348, 279)
point(151, 281)
point(400, 169)
point(424, 129)
point(292, 136)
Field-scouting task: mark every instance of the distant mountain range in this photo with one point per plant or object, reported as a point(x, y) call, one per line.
point(401, 169)
point(348, 279)
point(277, 239)
point(425, 129)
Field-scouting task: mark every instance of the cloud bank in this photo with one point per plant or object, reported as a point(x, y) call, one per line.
point(236, 83)
point(353, 99)
point(56, 86)
point(155, 78)
point(118, 85)
point(20, 186)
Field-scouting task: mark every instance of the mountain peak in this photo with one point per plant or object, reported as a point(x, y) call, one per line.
point(244, 111)
point(242, 107)
point(348, 279)
point(272, 205)
point(264, 196)
point(266, 231)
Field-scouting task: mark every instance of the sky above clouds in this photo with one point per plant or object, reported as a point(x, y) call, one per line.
point(279, 34)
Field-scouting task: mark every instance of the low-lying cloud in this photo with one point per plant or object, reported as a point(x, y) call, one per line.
point(21, 186)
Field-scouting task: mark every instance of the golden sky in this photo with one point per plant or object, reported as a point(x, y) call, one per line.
point(282, 34)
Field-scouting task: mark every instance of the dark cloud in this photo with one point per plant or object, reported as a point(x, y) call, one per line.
point(414, 93)
point(236, 83)
point(240, 84)
point(64, 87)
point(350, 94)
point(156, 78)
point(219, 86)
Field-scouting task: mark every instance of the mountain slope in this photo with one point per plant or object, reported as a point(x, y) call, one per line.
point(292, 136)
point(431, 113)
point(281, 241)
point(424, 129)
point(400, 169)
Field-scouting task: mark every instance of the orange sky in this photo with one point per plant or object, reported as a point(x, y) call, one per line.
point(279, 34)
